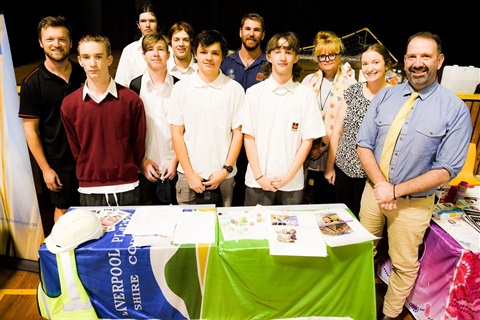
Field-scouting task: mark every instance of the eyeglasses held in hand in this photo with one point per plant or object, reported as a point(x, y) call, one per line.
point(331, 57)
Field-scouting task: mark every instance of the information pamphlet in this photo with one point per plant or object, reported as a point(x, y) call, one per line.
point(462, 232)
point(302, 230)
point(241, 223)
point(294, 233)
point(110, 217)
point(339, 228)
point(172, 225)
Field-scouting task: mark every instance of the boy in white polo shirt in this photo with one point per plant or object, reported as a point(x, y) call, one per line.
point(281, 119)
point(206, 119)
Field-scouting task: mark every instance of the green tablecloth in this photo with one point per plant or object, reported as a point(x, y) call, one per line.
point(244, 281)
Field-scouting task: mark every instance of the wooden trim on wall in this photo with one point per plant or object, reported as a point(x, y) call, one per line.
point(473, 103)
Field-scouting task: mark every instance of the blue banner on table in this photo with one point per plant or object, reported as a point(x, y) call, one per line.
point(122, 285)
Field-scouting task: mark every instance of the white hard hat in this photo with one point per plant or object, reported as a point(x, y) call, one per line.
point(72, 229)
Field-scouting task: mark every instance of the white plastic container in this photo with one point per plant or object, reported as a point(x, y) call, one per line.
point(461, 80)
point(399, 76)
point(445, 211)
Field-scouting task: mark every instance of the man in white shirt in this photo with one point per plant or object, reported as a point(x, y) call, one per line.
point(181, 62)
point(131, 63)
point(206, 122)
point(281, 119)
point(155, 87)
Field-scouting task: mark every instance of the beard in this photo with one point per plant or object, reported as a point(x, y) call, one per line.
point(419, 80)
point(250, 48)
point(58, 57)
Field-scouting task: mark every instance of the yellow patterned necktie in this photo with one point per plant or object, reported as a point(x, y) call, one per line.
point(393, 133)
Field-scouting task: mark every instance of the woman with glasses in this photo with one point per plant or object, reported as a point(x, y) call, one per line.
point(329, 84)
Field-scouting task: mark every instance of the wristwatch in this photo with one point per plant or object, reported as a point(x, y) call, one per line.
point(228, 168)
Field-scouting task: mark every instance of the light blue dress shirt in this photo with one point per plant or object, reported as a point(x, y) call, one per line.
point(436, 133)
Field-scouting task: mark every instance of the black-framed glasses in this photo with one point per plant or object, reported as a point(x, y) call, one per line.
point(331, 57)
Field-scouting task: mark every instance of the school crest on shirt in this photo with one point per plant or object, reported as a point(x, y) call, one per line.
point(295, 126)
point(231, 74)
point(260, 76)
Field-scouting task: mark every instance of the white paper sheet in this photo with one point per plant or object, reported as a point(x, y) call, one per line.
point(195, 227)
point(462, 232)
point(294, 233)
point(153, 240)
point(242, 223)
point(339, 228)
point(153, 220)
point(172, 225)
point(303, 222)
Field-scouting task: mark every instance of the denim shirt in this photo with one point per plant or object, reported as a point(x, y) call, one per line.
point(436, 133)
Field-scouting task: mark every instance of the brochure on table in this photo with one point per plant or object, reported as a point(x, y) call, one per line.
point(296, 230)
point(292, 233)
point(110, 216)
point(172, 225)
point(462, 232)
point(461, 220)
point(303, 230)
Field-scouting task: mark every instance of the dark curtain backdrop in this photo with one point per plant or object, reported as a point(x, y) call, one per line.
point(116, 19)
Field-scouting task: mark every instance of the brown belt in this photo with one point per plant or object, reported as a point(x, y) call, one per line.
point(415, 197)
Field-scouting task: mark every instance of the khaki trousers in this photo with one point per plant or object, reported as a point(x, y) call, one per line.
point(406, 228)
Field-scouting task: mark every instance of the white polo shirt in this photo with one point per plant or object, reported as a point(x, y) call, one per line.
point(280, 117)
point(175, 71)
point(131, 63)
point(209, 112)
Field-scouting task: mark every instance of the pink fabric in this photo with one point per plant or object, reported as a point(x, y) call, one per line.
point(448, 283)
point(465, 294)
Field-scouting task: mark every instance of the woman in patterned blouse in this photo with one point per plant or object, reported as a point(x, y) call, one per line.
point(343, 168)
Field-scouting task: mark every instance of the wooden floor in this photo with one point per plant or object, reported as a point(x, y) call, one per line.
point(18, 291)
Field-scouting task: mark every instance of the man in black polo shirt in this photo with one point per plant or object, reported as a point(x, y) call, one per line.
point(41, 96)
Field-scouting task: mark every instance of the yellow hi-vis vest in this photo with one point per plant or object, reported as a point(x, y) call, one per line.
point(73, 302)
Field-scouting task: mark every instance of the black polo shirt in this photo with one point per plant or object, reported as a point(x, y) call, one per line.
point(41, 96)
